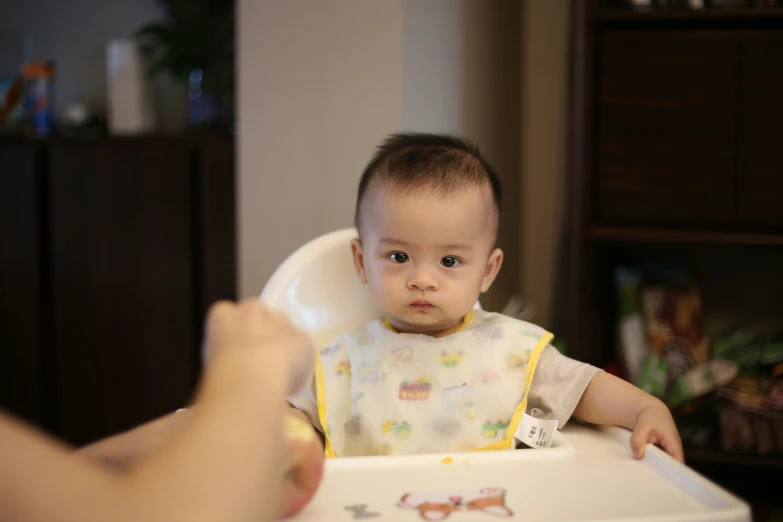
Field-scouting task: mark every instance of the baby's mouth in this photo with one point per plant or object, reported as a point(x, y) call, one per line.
point(421, 304)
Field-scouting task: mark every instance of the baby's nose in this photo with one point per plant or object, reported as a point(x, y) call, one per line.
point(422, 279)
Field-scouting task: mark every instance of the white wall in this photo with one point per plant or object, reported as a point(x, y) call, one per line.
point(434, 97)
point(320, 84)
point(319, 88)
point(462, 76)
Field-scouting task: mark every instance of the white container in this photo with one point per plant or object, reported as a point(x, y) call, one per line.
point(130, 101)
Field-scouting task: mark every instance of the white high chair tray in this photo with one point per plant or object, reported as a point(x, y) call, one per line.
point(587, 474)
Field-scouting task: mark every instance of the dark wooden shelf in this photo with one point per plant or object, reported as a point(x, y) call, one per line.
point(711, 455)
point(691, 15)
point(663, 235)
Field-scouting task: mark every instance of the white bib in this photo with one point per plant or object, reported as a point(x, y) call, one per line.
point(381, 392)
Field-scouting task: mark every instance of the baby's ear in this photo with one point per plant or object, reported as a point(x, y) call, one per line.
point(493, 267)
point(358, 259)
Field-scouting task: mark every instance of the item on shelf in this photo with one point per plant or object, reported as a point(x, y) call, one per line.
point(203, 105)
point(38, 98)
point(75, 115)
point(630, 329)
point(11, 110)
point(696, 420)
point(672, 318)
point(728, 3)
point(646, 5)
point(701, 380)
point(195, 46)
point(638, 4)
point(79, 121)
point(130, 102)
point(744, 348)
point(751, 417)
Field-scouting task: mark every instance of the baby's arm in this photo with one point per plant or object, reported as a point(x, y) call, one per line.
point(613, 401)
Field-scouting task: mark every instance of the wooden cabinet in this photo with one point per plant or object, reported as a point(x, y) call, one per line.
point(665, 129)
point(23, 313)
point(686, 128)
point(123, 282)
point(136, 238)
point(760, 145)
point(676, 160)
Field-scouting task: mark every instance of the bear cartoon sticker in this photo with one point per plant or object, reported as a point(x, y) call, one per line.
point(439, 505)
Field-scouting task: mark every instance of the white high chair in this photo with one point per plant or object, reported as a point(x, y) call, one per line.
point(317, 288)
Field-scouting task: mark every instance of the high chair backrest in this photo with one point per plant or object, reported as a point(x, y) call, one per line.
point(317, 287)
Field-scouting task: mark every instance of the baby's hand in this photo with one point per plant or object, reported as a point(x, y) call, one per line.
point(304, 464)
point(655, 425)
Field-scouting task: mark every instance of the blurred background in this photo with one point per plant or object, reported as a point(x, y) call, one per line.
point(158, 155)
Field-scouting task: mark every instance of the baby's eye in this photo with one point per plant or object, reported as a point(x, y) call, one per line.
point(399, 257)
point(449, 261)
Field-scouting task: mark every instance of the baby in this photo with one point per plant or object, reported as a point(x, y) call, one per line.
point(435, 373)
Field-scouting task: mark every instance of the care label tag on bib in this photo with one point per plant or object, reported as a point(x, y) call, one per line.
point(536, 433)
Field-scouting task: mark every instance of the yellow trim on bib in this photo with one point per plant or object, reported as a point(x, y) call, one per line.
point(320, 394)
point(517, 417)
point(465, 322)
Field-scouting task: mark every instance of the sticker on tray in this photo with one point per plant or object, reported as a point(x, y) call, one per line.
point(439, 505)
point(360, 512)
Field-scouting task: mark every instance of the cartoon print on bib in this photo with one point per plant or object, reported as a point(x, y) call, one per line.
point(343, 368)
point(451, 360)
point(491, 430)
point(401, 430)
point(415, 391)
point(516, 361)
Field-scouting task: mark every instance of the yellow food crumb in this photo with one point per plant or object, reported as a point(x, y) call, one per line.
point(387, 426)
point(297, 429)
point(447, 460)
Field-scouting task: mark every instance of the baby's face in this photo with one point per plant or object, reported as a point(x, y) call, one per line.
point(426, 258)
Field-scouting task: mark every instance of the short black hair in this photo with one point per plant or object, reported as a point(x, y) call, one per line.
point(414, 160)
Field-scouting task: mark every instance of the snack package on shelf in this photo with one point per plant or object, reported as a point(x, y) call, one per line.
point(675, 367)
point(630, 329)
point(730, 389)
point(702, 380)
point(751, 413)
